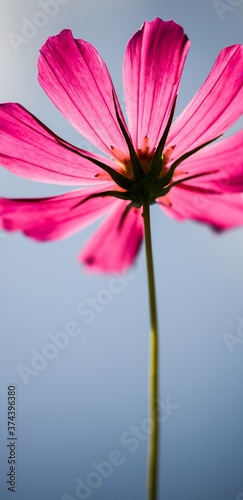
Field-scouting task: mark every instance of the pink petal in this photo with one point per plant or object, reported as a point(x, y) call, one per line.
point(31, 150)
point(153, 64)
point(77, 81)
point(215, 107)
point(114, 248)
point(222, 211)
point(53, 218)
point(224, 156)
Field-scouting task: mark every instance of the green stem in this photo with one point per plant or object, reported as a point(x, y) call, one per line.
point(154, 362)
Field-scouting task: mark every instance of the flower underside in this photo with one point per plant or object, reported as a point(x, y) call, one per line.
point(144, 175)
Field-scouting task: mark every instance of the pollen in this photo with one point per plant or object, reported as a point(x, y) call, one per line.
point(145, 155)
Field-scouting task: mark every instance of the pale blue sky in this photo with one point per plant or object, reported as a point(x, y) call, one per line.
point(85, 402)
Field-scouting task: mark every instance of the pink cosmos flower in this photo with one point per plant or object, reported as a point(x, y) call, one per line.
point(149, 156)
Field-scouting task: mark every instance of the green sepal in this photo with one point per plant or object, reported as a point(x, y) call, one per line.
point(115, 194)
point(137, 169)
point(118, 178)
point(168, 176)
point(124, 215)
point(166, 190)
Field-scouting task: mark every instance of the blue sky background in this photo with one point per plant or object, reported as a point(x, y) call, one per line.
point(90, 399)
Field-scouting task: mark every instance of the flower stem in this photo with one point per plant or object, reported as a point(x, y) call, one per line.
point(154, 362)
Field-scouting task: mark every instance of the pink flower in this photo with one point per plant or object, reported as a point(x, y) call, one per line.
point(149, 157)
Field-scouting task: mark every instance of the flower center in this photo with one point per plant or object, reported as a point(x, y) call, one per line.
point(149, 185)
point(124, 162)
point(144, 175)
